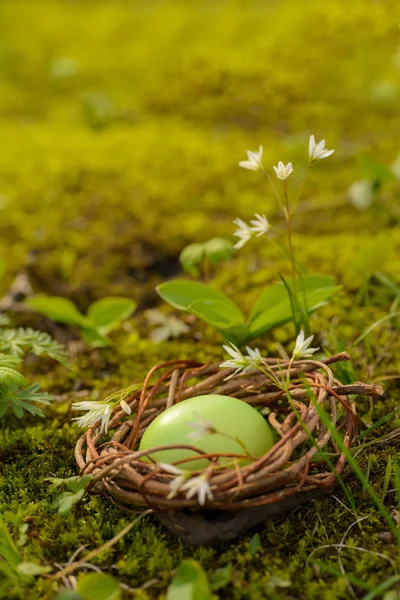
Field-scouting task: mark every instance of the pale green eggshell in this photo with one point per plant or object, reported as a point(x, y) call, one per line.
point(226, 414)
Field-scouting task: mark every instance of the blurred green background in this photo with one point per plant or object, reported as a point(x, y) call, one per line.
point(121, 127)
point(122, 124)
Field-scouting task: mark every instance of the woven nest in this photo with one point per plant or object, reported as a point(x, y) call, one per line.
point(291, 473)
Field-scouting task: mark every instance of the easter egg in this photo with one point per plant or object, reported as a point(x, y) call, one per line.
point(220, 421)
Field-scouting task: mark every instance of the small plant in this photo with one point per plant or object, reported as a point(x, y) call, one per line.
point(197, 258)
point(102, 316)
point(20, 340)
point(166, 327)
point(15, 394)
point(293, 298)
point(14, 571)
point(272, 308)
point(74, 490)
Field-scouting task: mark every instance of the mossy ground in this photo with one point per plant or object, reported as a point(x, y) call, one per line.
point(121, 127)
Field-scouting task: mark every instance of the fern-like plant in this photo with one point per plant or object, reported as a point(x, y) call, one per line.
point(15, 393)
point(19, 341)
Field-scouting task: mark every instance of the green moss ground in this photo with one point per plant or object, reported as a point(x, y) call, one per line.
point(121, 126)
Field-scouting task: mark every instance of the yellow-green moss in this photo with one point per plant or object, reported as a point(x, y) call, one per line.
point(122, 124)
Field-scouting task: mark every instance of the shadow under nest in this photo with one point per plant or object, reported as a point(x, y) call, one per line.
point(292, 472)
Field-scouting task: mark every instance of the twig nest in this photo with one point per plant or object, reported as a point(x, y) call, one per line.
point(224, 499)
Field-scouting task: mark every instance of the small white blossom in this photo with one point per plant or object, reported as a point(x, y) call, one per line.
point(243, 232)
point(254, 160)
point(201, 427)
point(198, 485)
point(253, 357)
point(176, 483)
point(260, 225)
point(317, 151)
point(301, 349)
point(125, 407)
point(283, 172)
point(96, 411)
point(239, 361)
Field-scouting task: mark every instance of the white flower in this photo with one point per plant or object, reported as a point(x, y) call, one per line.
point(254, 160)
point(176, 483)
point(96, 411)
point(361, 194)
point(239, 361)
point(244, 233)
point(301, 349)
point(125, 407)
point(253, 357)
point(201, 427)
point(260, 225)
point(317, 151)
point(198, 485)
point(282, 171)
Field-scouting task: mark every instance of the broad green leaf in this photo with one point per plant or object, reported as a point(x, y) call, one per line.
point(95, 338)
point(273, 307)
point(65, 502)
point(191, 257)
point(58, 309)
point(76, 484)
point(182, 293)
point(218, 249)
point(189, 583)
point(237, 334)
point(228, 322)
point(8, 372)
point(99, 586)
point(217, 313)
point(31, 569)
point(107, 312)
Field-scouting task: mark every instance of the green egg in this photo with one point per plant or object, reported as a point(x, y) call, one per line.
point(230, 417)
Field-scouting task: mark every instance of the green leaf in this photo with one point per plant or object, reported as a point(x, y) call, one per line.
point(191, 257)
point(95, 338)
point(20, 340)
point(8, 373)
point(189, 583)
point(273, 307)
point(218, 249)
point(182, 293)
point(21, 400)
point(76, 484)
point(227, 321)
point(32, 569)
point(66, 501)
point(8, 550)
point(217, 313)
point(237, 334)
point(99, 586)
point(108, 312)
point(221, 577)
point(58, 309)
point(255, 544)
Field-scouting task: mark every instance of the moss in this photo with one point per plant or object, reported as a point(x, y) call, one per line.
point(112, 161)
